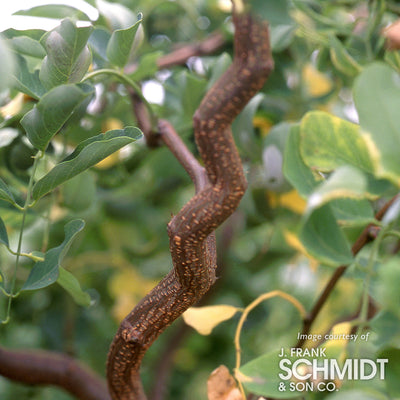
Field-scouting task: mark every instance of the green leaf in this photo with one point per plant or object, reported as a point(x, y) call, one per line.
point(341, 59)
point(72, 286)
point(281, 36)
point(3, 234)
point(46, 272)
point(7, 135)
point(27, 46)
point(117, 15)
point(277, 13)
point(272, 157)
point(98, 41)
point(27, 82)
point(386, 326)
point(68, 58)
point(56, 11)
point(147, 66)
point(345, 181)
point(261, 376)
point(52, 111)
point(123, 43)
point(393, 59)
point(352, 212)
point(87, 154)
point(323, 238)
point(218, 67)
point(357, 394)
point(328, 142)
point(294, 168)
point(192, 93)
point(377, 99)
point(243, 129)
point(5, 193)
point(392, 371)
point(387, 290)
point(79, 193)
point(6, 66)
point(280, 22)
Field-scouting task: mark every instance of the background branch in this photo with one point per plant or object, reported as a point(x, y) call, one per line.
point(182, 53)
point(37, 367)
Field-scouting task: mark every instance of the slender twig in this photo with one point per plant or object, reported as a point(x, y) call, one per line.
point(364, 238)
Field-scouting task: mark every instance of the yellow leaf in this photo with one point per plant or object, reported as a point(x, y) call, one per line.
point(204, 319)
point(317, 83)
point(290, 200)
point(263, 124)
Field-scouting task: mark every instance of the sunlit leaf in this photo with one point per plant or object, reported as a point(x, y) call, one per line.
point(86, 155)
point(45, 273)
point(328, 142)
point(204, 319)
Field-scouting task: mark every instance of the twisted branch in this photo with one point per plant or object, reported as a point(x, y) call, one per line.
point(220, 186)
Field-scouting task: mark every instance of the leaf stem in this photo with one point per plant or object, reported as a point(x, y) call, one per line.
point(28, 255)
point(250, 307)
point(27, 205)
point(127, 81)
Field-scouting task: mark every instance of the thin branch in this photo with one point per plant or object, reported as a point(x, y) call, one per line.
point(362, 240)
point(180, 55)
point(37, 367)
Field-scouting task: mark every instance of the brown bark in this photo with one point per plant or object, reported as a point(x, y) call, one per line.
point(219, 188)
